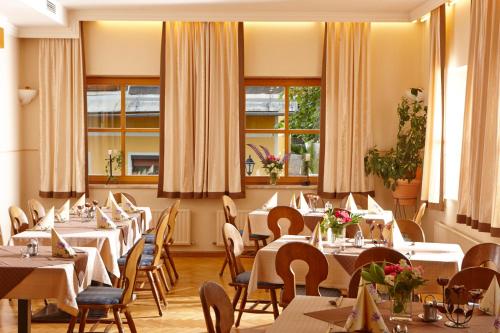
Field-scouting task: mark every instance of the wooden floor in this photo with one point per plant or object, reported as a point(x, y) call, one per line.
point(183, 314)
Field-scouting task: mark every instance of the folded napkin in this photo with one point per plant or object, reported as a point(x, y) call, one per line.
point(117, 213)
point(303, 206)
point(373, 206)
point(62, 214)
point(490, 303)
point(293, 201)
point(46, 222)
point(272, 202)
point(110, 200)
point(61, 248)
point(365, 315)
point(316, 238)
point(127, 205)
point(350, 204)
point(103, 221)
point(79, 202)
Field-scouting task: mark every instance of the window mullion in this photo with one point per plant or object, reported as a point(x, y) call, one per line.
point(123, 127)
point(287, 141)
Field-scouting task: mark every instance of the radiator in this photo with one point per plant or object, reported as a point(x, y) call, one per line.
point(241, 220)
point(182, 231)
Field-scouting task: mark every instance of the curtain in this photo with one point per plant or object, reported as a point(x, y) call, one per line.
point(62, 118)
point(479, 193)
point(201, 86)
point(432, 177)
point(346, 129)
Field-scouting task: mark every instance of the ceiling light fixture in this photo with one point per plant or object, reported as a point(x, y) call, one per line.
point(26, 95)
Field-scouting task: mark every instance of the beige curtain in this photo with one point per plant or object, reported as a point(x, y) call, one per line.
point(62, 118)
point(201, 118)
point(346, 129)
point(479, 193)
point(432, 178)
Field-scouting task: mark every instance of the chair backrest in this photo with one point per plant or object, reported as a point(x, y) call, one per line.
point(411, 231)
point(485, 254)
point(37, 211)
point(160, 239)
point(292, 214)
point(18, 220)
point(361, 200)
point(130, 271)
point(420, 214)
point(118, 197)
point(172, 219)
point(230, 211)
point(473, 278)
point(315, 259)
point(379, 254)
point(212, 295)
point(234, 249)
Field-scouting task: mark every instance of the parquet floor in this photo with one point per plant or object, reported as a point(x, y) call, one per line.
point(183, 313)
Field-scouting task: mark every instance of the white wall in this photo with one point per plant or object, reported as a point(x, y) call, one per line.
point(10, 133)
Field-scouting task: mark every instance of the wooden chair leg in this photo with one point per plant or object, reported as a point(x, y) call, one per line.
point(236, 297)
point(274, 302)
point(257, 246)
point(83, 320)
point(160, 287)
point(172, 263)
point(164, 279)
point(130, 321)
point(154, 291)
point(71, 325)
point(242, 307)
point(169, 272)
point(223, 267)
point(118, 320)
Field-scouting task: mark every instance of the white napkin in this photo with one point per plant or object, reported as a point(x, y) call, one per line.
point(303, 206)
point(127, 205)
point(365, 315)
point(117, 212)
point(316, 238)
point(47, 222)
point(350, 204)
point(110, 200)
point(293, 201)
point(272, 202)
point(373, 206)
point(79, 202)
point(490, 303)
point(61, 248)
point(62, 214)
point(103, 221)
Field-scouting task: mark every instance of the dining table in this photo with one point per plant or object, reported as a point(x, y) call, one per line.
point(315, 314)
point(435, 259)
point(43, 276)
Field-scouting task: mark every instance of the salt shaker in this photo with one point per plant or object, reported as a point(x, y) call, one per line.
point(33, 247)
point(359, 241)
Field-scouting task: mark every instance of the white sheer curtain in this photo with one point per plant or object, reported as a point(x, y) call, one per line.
point(200, 125)
point(346, 129)
point(62, 118)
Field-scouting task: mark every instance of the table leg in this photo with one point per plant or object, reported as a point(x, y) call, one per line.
point(24, 316)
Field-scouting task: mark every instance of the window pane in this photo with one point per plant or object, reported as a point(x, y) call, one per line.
point(265, 107)
point(304, 105)
point(142, 106)
point(275, 143)
point(103, 106)
point(99, 144)
point(142, 153)
point(303, 146)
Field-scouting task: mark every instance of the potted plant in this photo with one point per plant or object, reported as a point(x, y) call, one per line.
point(400, 167)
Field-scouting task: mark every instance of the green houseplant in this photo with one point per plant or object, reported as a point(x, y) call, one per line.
point(399, 166)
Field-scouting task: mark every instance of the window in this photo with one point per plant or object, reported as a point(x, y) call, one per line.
point(283, 115)
point(123, 118)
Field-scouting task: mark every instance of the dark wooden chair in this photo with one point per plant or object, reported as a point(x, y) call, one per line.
point(18, 220)
point(485, 254)
point(411, 231)
point(473, 278)
point(292, 214)
point(108, 298)
point(37, 211)
point(361, 200)
point(318, 271)
point(118, 197)
point(240, 277)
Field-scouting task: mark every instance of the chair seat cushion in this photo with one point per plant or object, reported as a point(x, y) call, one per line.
point(149, 249)
point(146, 260)
point(244, 278)
point(326, 292)
point(258, 237)
point(150, 238)
point(100, 295)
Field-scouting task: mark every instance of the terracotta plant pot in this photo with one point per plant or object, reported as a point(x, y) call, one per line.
point(407, 193)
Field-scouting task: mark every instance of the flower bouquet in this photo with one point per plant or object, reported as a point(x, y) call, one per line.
point(400, 280)
point(271, 163)
point(337, 221)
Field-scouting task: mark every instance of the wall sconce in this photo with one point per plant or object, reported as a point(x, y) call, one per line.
point(26, 95)
point(249, 164)
point(2, 38)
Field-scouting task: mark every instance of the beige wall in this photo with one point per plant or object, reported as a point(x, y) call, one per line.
point(397, 58)
point(10, 145)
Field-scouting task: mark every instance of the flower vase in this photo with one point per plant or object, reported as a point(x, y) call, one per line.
point(273, 178)
point(401, 303)
point(327, 235)
point(338, 235)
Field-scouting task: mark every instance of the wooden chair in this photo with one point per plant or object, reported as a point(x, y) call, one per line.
point(37, 211)
point(486, 254)
point(240, 278)
point(318, 271)
point(473, 278)
point(116, 299)
point(420, 214)
point(411, 231)
point(230, 214)
point(292, 214)
point(151, 265)
point(361, 200)
point(18, 220)
point(118, 197)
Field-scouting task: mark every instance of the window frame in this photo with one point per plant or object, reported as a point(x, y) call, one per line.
point(122, 82)
point(286, 83)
